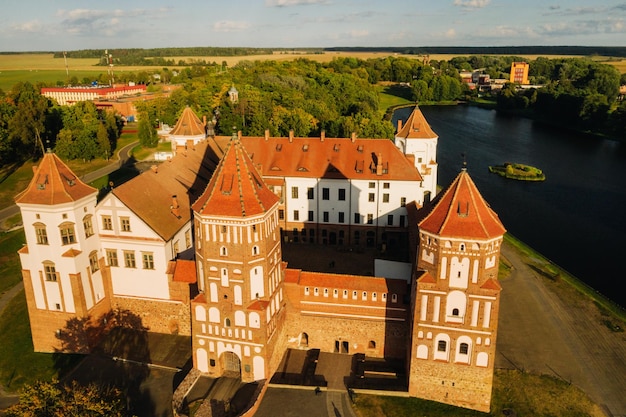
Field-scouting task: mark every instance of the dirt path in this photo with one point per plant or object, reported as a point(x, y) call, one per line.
point(544, 328)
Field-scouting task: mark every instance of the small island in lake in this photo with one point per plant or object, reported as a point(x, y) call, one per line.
point(518, 172)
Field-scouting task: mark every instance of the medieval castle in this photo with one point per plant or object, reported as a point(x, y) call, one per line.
point(192, 246)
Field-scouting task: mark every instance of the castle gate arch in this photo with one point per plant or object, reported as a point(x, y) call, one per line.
point(231, 363)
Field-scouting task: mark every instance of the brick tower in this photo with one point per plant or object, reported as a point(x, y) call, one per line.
point(237, 318)
point(456, 299)
point(66, 291)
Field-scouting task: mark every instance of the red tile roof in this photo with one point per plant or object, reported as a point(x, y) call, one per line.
point(185, 271)
point(54, 183)
point(460, 211)
point(329, 158)
point(426, 278)
point(259, 305)
point(416, 127)
point(491, 284)
point(188, 124)
point(353, 282)
point(150, 194)
point(236, 188)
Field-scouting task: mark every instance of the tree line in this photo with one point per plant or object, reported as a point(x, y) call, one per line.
point(307, 97)
point(31, 123)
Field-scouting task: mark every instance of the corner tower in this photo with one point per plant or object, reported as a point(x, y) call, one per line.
point(237, 318)
point(61, 262)
point(416, 138)
point(455, 303)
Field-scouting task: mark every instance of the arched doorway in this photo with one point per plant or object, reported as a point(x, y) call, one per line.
point(231, 364)
point(304, 340)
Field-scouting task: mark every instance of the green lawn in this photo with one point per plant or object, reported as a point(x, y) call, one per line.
point(523, 393)
point(10, 266)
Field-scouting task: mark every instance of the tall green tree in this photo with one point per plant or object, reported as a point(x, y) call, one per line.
point(27, 126)
point(146, 132)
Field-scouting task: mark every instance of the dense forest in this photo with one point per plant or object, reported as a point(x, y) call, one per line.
point(308, 97)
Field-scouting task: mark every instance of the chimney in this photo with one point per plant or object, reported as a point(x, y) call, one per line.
point(35, 169)
point(379, 165)
point(204, 120)
point(353, 137)
point(290, 135)
point(267, 135)
point(399, 125)
point(175, 207)
point(155, 169)
point(322, 135)
point(239, 134)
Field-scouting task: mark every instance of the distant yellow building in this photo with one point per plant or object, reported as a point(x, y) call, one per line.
point(519, 73)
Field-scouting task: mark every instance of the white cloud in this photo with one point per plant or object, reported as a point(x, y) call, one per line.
point(230, 26)
point(359, 33)
point(288, 3)
point(471, 4)
point(450, 33)
point(33, 26)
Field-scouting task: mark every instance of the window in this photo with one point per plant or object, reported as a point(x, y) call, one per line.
point(370, 218)
point(402, 201)
point(296, 215)
point(442, 346)
point(341, 217)
point(325, 194)
point(325, 292)
point(342, 194)
point(386, 198)
point(306, 290)
point(311, 215)
point(316, 291)
point(112, 257)
point(371, 185)
point(374, 296)
point(310, 193)
point(255, 250)
point(129, 259)
point(357, 218)
point(49, 271)
point(354, 295)
point(93, 261)
point(463, 348)
point(386, 185)
point(390, 220)
point(107, 223)
point(294, 192)
point(88, 225)
point(188, 239)
point(125, 224)
point(335, 293)
point(345, 293)
point(394, 298)
point(455, 312)
point(281, 214)
point(41, 233)
point(67, 233)
point(223, 228)
point(148, 260)
point(326, 216)
point(223, 251)
point(364, 295)
point(371, 344)
point(402, 220)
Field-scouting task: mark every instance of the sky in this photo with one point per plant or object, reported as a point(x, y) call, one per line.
point(57, 25)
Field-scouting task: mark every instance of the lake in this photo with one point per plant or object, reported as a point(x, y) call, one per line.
point(574, 217)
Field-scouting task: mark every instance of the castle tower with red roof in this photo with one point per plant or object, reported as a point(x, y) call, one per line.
point(416, 138)
point(61, 262)
point(456, 300)
point(237, 319)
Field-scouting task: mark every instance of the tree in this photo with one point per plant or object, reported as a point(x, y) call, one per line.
point(147, 134)
point(52, 399)
point(27, 126)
